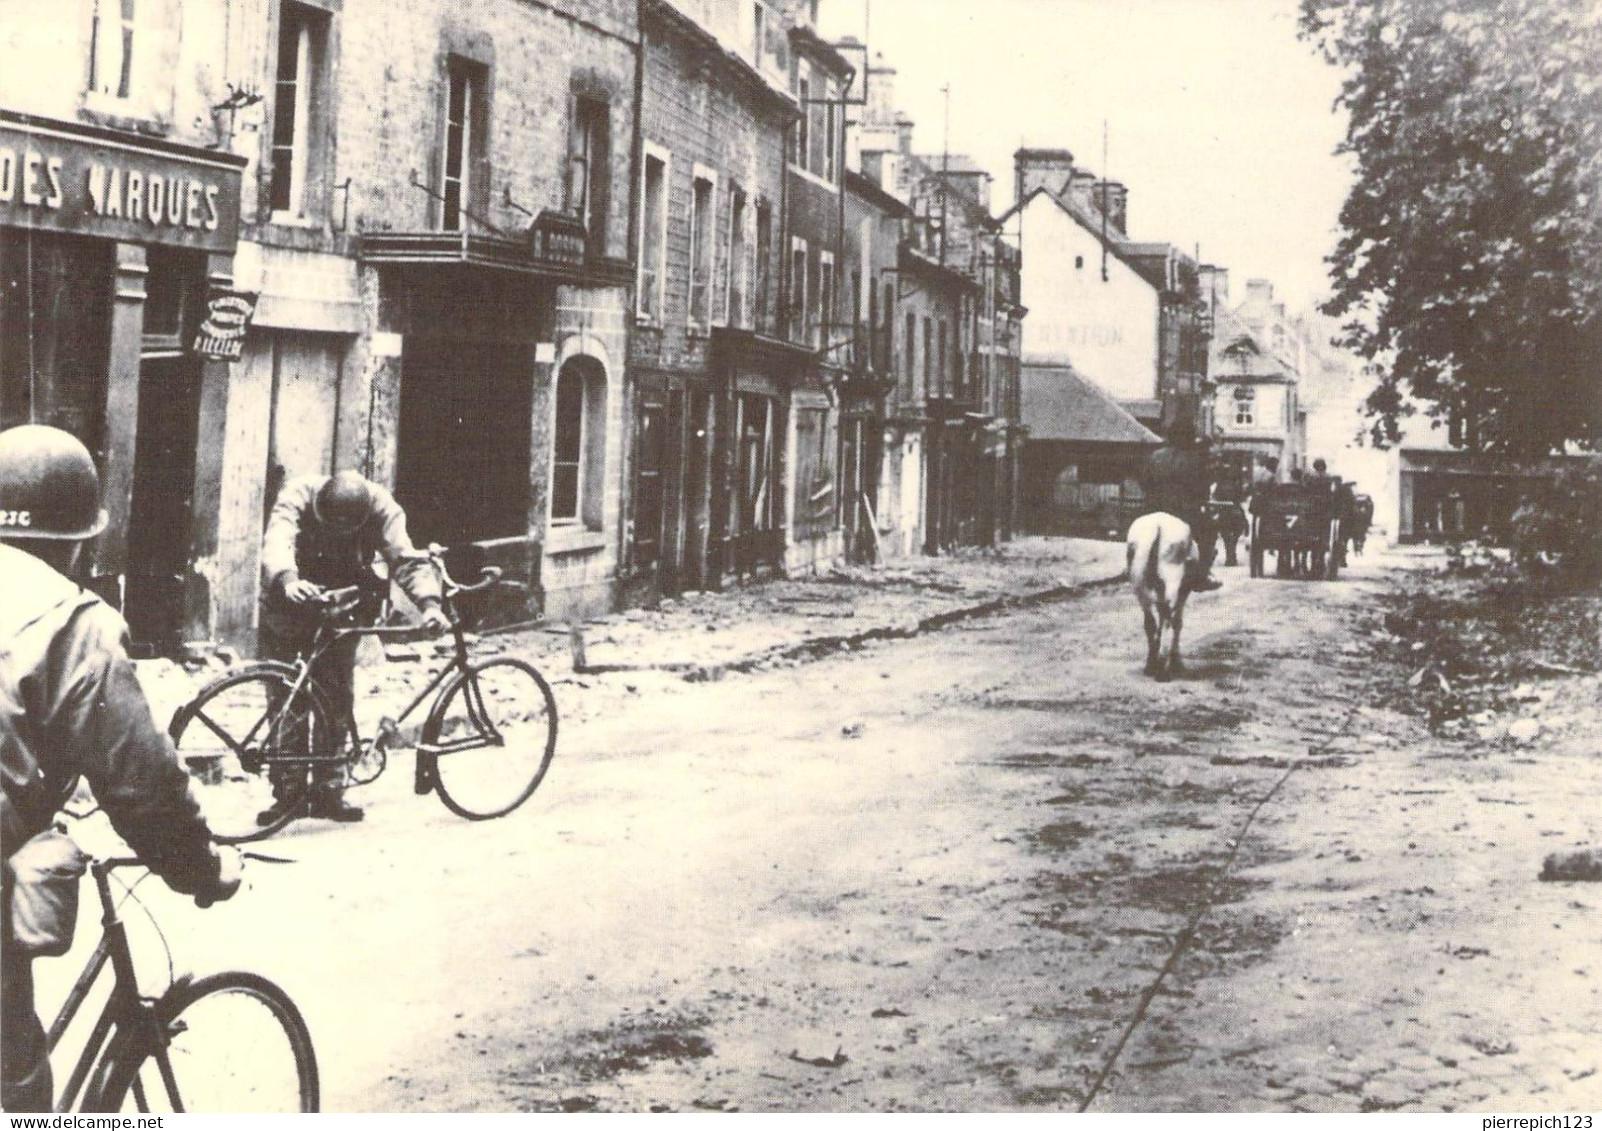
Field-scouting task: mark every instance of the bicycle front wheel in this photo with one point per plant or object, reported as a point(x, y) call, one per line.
point(237, 1044)
point(235, 736)
point(492, 736)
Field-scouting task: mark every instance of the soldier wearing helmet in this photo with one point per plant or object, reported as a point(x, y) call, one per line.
point(71, 707)
point(326, 532)
point(1176, 480)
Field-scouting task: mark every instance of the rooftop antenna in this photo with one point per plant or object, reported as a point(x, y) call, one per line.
point(1104, 176)
point(945, 171)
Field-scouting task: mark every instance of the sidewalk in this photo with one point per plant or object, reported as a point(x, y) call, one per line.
point(704, 635)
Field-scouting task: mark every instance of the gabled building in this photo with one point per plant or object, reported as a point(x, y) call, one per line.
point(1258, 356)
point(1127, 315)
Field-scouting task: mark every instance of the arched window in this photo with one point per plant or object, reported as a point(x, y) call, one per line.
point(578, 463)
point(1245, 405)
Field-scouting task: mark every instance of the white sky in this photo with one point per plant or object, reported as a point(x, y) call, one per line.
point(1220, 119)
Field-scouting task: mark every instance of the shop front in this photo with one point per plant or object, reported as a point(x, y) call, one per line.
point(119, 322)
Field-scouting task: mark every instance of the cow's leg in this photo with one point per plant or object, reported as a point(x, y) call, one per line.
point(1175, 623)
point(1230, 539)
point(1153, 638)
point(1165, 626)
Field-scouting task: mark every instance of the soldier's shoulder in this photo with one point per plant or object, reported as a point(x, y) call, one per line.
point(37, 597)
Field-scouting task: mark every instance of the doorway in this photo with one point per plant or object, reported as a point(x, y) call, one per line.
point(161, 515)
point(462, 459)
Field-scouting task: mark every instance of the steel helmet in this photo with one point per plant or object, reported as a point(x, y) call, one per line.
point(344, 503)
point(48, 485)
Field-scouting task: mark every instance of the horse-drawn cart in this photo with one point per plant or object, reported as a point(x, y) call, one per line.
point(1300, 524)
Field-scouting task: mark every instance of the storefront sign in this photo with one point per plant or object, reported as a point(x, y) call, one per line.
point(222, 334)
point(65, 178)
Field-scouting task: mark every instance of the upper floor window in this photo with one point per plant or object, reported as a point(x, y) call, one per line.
point(824, 316)
point(763, 294)
point(111, 47)
point(736, 280)
point(653, 228)
point(1245, 405)
point(831, 140)
point(589, 167)
point(702, 207)
point(297, 95)
point(462, 145)
point(803, 126)
point(798, 288)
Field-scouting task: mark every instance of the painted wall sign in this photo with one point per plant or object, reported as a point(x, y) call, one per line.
point(222, 334)
point(63, 178)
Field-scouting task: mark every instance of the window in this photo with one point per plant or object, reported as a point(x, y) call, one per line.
point(824, 317)
point(941, 374)
point(1079, 262)
point(909, 347)
point(831, 139)
point(798, 288)
point(928, 354)
point(578, 449)
point(464, 91)
point(702, 206)
point(589, 172)
point(653, 227)
point(735, 281)
point(296, 95)
point(803, 126)
point(815, 114)
point(111, 48)
point(1245, 405)
point(764, 265)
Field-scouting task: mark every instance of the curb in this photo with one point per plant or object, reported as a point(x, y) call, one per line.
point(818, 647)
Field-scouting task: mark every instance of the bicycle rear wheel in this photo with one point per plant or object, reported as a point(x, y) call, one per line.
point(238, 1044)
point(230, 735)
point(493, 734)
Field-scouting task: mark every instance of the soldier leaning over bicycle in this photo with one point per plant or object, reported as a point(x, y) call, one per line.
point(325, 533)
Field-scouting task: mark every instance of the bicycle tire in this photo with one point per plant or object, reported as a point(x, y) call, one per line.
point(467, 780)
point(222, 735)
point(204, 1048)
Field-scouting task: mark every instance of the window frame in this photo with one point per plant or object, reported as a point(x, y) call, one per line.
point(799, 256)
point(125, 32)
point(1244, 398)
point(590, 128)
point(588, 505)
point(474, 83)
point(828, 298)
point(653, 154)
point(314, 28)
point(739, 254)
point(703, 232)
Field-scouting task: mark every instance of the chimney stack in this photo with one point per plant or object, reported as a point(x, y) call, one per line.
point(1117, 198)
point(1050, 169)
point(1082, 191)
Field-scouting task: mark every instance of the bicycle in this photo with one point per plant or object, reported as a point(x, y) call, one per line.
point(231, 1041)
point(484, 746)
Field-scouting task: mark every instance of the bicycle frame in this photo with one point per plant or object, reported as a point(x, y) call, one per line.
point(351, 742)
point(125, 1008)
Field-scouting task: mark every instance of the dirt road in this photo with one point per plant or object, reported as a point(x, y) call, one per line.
point(943, 874)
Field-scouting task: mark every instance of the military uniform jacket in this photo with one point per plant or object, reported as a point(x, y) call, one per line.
point(70, 707)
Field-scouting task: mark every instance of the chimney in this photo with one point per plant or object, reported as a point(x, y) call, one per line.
point(1117, 198)
point(904, 135)
point(881, 108)
point(1082, 191)
point(1259, 292)
point(1033, 169)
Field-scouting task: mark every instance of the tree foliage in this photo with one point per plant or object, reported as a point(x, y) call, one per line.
point(1470, 256)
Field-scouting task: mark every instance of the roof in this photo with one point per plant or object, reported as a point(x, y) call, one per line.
point(1239, 359)
point(1061, 404)
point(869, 190)
point(955, 163)
point(1118, 245)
